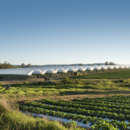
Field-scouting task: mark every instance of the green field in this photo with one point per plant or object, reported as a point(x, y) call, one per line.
point(106, 75)
point(52, 103)
point(71, 87)
point(88, 111)
point(12, 119)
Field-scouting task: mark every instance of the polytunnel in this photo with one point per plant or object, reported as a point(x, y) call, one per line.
point(61, 70)
point(81, 69)
point(50, 71)
point(110, 67)
point(121, 66)
point(97, 67)
point(90, 68)
point(126, 66)
point(104, 67)
point(71, 70)
point(27, 72)
point(116, 67)
point(35, 72)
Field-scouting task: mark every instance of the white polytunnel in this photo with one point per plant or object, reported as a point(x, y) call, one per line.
point(50, 71)
point(61, 70)
point(97, 67)
point(71, 70)
point(76, 68)
point(90, 68)
point(126, 66)
point(81, 69)
point(116, 67)
point(110, 67)
point(104, 67)
point(121, 66)
point(44, 71)
point(58, 69)
point(37, 72)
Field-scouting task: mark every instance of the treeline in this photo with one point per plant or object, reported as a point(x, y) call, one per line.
point(6, 65)
point(109, 63)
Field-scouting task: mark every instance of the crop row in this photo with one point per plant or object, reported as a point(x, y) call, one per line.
point(80, 118)
point(90, 112)
point(121, 99)
point(84, 104)
point(77, 106)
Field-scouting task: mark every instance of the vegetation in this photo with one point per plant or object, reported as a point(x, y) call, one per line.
point(6, 65)
point(106, 75)
point(96, 107)
point(110, 63)
point(66, 80)
point(79, 110)
point(15, 120)
point(76, 86)
point(89, 112)
point(22, 65)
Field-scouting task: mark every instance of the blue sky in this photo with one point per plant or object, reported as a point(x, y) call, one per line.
point(64, 31)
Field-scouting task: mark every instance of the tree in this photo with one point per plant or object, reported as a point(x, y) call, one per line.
point(22, 65)
point(28, 66)
point(80, 64)
point(66, 80)
point(111, 63)
point(6, 65)
point(78, 81)
point(106, 63)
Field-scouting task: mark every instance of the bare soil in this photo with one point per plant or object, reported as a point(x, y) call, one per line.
point(22, 81)
point(68, 97)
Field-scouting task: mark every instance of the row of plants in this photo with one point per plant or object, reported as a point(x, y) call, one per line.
point(125, 74)
point(119, 115)
point(119, 99)
point(93, 120)
point(85, 104)
point(86, 107)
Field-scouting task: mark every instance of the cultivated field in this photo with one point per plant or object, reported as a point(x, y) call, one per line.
point(85, 112)
point(93, 101)
point(106, 75)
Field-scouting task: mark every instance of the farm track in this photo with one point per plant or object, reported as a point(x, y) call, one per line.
point(67, 98)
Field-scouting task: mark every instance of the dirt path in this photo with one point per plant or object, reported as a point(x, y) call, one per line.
point(21, 81)
point(67, 97)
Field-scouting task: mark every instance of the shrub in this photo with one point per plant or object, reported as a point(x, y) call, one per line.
point(78, 81)
point(1, 83)
point(104, 126)
point(26, 83)
point(66, 80)
point(121, 80)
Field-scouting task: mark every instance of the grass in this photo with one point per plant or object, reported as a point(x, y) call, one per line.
point(106, 75)
point(15, 120)
point(84, 86)
point(101, 83)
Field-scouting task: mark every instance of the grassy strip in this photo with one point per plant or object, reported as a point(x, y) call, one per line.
point(15, 120)
point(106, 75)
point(75, 87)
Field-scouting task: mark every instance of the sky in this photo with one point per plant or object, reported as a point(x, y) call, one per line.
point(43, 32)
